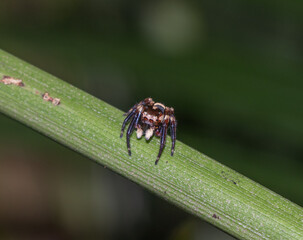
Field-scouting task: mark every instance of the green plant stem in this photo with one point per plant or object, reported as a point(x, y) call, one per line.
point(190, 179)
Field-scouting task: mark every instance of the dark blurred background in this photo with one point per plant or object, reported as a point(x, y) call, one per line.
point(231, 69)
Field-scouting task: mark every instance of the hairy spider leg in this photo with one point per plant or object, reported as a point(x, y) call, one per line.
point(126, 120)
point(138, 116)
point(145, 102)
point(129, 132)
point(130, 114)
point(130, 110)
point(173, 130)
point(162, 142)
point(137, 124)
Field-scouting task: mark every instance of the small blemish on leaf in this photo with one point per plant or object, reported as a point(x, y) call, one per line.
point(215, 216)
point(229, 177)
point(47, 97)
point(9, 80)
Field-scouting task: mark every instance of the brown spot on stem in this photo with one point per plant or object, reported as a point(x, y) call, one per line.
point(9, 80)
point(56, 101)
point(47, 97)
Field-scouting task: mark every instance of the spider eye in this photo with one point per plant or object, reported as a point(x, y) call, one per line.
point(159, 106)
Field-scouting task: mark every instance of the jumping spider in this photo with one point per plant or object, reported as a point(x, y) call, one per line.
point(151, 118)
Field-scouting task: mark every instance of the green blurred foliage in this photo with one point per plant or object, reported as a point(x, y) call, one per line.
point(231, 69)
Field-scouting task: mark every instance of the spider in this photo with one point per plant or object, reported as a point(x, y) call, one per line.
point(150, 118)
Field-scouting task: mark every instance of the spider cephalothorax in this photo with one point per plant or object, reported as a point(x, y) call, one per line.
point(151, 118)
